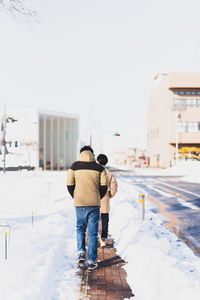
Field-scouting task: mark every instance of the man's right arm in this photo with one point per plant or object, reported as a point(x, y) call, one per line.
point(71, 182)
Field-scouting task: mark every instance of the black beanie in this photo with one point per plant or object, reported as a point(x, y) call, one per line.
point(102, 159)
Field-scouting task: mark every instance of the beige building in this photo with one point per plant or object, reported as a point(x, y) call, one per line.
point(173, 118)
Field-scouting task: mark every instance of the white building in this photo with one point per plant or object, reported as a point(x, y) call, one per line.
point(41, 139)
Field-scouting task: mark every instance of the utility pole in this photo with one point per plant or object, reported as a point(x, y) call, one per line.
point(5, 120)
point(90, 139)
point(4, 139)
point(177, 108)
point(177, 136)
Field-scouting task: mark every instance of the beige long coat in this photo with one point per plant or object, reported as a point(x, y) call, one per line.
point(112, 189)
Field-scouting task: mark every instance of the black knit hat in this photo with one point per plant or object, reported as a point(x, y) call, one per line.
point(86, 148)
point(102, 159)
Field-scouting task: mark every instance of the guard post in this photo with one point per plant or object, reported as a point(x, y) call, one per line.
point(6, 246)
point(32, 218)
point(141, 208)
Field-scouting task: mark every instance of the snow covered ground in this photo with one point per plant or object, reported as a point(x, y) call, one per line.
point(189, 170)
point(41, 263)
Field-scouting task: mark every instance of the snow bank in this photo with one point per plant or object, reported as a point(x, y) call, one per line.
point(41, 262)
point(36, 251)
point(159, 265)
point(188, 170)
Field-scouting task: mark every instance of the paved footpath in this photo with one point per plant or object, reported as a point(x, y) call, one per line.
point(109, 280)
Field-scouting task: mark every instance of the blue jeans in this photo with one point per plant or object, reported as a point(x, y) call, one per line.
point(87, 216)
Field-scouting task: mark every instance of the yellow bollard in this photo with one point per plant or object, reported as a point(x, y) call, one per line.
point(32, 218)
point(141, 208)
point(6, 246)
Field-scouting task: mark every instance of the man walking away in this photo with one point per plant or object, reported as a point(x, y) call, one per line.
point(87, 184)
point(105, 202)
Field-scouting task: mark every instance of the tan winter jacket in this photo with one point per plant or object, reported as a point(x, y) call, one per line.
point(112, 189)
point(87, 180)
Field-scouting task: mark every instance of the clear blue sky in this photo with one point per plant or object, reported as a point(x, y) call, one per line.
point(97, 58)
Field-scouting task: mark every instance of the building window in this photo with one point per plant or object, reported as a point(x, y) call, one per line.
point(188, 126)
point(187, 92)
point(188, 102)
point(154, 133)
point(157, 132)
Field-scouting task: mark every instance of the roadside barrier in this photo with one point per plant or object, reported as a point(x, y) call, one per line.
point(32, 218)
point(6, 246)
point(6, 239)
point(9, 228)
point(141, 208)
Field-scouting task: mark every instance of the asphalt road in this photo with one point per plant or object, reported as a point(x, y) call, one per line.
point(179, 201)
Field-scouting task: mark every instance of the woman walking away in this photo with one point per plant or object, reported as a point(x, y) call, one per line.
point(105, 201)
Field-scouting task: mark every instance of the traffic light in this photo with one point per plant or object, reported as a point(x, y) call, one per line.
point(16, 144)
point(116, 134)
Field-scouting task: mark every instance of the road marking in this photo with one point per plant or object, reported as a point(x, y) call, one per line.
point(187, 204)
point(158, 190)
point(177, 188)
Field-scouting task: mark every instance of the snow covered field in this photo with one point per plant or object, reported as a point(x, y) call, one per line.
point(41, 263)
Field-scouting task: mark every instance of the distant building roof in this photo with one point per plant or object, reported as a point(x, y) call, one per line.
point(181, 79)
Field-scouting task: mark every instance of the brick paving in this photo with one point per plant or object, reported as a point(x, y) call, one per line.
point(109, 280)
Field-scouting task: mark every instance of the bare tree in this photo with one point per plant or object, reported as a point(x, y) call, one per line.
point(19, 7)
